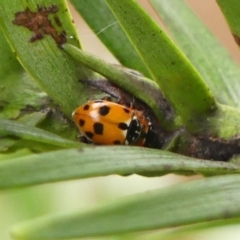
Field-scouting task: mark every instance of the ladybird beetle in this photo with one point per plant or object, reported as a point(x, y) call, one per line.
point(108, 123)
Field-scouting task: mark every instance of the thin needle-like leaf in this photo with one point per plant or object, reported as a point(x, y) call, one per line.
point(32, 133)
point(121, 78)
point(231, 11)
point(187, 203)
point(204, 51)
point(36, 41)
point(93, 161)
point(179, 81)
point(99, 17)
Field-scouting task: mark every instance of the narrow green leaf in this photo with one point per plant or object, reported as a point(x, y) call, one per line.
point(205, 52)
point(180, 82)
point(231, 11)
point(24, 131)
point(101, 161)
point(197, 228)
point(101, 20)
point(130, 82)
point(37, 47)
point(193, 202)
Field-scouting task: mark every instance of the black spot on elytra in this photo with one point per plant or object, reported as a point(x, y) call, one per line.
point(116, 142)
point(81, 122)
point(104, 110)
point(86, 107)
point(98, 128)
point(123, 126)
point(89, 134)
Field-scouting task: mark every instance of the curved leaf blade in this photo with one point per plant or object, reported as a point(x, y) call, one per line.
point(101, 20)
point(93, 161)
point(122, 78)
point(180, 82)
point(205, 52)
point(39, 51)
point(231, 11)
point(173, 206)
point(24, 131)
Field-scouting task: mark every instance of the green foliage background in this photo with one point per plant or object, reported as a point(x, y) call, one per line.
point(54, 73)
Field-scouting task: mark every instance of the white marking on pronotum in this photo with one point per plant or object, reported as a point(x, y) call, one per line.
point(94, 115)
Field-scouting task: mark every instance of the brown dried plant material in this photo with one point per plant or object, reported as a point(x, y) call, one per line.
point(39, 23)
